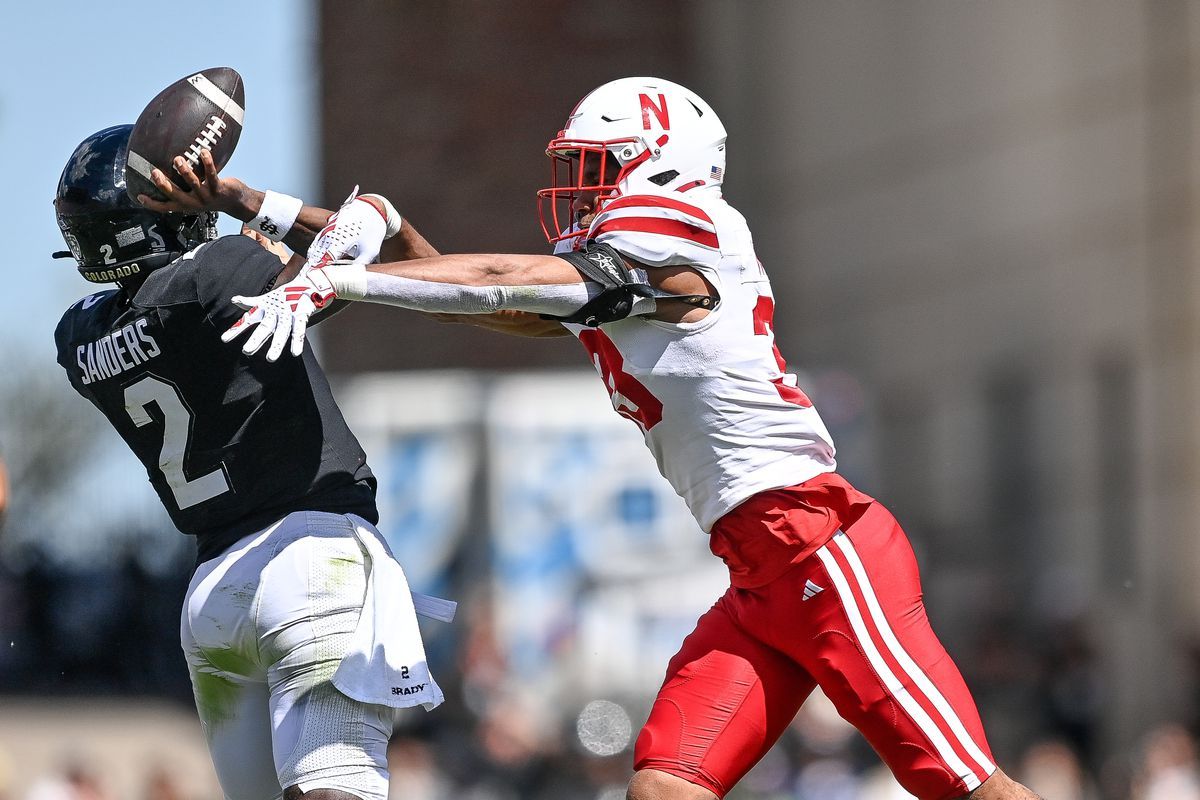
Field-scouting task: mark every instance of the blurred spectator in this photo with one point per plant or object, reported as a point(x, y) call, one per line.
point(3, 492)
point(512, 739)
point(1168, 770)
point(1005, 669)
point(161, 786)
point(6, 776)
point(83, 783)
point(76, 782)
point(1052, 769)
point(829, 778)
point(878, 784)
point(415, 774)
point(1072, 687)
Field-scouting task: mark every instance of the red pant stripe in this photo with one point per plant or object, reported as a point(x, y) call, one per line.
point(843, 582)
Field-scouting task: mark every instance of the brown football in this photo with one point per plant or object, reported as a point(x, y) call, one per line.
point(203, 111)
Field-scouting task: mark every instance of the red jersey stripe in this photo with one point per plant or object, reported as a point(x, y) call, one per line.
point(665, 227)
point(654, 201)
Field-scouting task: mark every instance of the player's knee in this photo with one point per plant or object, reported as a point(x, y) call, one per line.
point(294, 793)
point(650, 784)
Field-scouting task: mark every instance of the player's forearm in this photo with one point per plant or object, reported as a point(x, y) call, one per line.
point(467, 284)
point(483, 269)
point(248, 204)
point(308, 224)
point(513, 323)
point(290, 270)
point(407, 245)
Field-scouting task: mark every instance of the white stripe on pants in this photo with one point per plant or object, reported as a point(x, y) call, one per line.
point(935, 731)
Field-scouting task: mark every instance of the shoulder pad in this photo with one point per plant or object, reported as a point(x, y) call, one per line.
point(211, 273)
point(658, 231)
point(82, 309)
point(173, 284)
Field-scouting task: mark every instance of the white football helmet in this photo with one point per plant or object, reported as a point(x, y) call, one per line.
point(664, 138)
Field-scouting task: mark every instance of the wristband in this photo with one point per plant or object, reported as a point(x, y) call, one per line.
point(390, 215)
point(277, 215)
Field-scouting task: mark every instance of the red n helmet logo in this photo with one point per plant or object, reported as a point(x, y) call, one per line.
point(659, 113)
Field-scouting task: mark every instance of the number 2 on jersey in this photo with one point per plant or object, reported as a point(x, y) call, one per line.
point(177, 430)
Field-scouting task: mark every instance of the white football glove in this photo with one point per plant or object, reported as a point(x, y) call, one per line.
point(282, 312)
point(355, 232)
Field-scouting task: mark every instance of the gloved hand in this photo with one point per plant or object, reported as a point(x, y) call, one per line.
point(356, 231)
point(281, 312)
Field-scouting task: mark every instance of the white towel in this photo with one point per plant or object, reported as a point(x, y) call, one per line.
point(437, 608)
point(386, 664)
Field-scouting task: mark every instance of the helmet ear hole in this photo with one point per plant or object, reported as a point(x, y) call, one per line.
point(663, 178)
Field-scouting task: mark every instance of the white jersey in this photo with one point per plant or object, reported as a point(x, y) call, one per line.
point(719, 411)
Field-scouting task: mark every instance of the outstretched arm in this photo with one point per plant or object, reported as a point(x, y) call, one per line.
point(409, 244)
point(590, 288)
point(465, 284)
point(234, 197)
point(482, 269)
point(558, 286)
point(468, 284)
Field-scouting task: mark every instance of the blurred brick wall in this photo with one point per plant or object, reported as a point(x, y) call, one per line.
point(446, 107)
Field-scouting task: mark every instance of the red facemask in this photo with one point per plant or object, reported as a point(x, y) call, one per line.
point(572, 162)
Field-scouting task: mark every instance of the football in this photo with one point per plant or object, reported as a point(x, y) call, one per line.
point(203, 111)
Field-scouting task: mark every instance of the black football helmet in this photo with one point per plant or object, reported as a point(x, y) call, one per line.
point(111, 237)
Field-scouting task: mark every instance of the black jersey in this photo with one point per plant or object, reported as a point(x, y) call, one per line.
point(231, 443)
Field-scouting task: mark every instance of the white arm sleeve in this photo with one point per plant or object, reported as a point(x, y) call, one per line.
point(355, 282)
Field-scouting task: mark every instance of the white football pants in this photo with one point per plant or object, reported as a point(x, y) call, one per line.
point(263, 628)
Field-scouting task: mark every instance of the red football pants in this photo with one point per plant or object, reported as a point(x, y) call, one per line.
point(849, 619)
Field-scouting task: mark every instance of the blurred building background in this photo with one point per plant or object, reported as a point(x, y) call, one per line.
point(981, 222)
